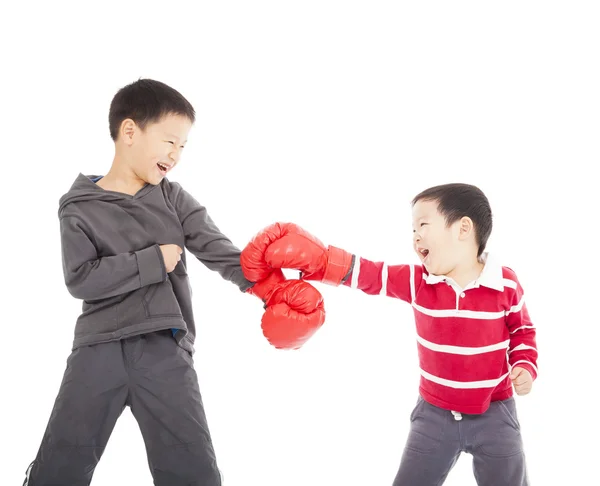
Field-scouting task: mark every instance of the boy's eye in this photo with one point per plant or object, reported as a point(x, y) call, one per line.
point(423, 224)
point(173, 143)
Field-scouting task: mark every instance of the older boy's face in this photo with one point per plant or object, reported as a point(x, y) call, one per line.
point(159, 147)
point(433, 240)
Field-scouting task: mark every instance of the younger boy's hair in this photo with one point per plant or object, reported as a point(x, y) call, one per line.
point(458, 200)
point(146, 101)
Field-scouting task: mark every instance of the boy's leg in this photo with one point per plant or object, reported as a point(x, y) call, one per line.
point(166, 402)
point(91, 398)
point(497, 447)
point(432, 448)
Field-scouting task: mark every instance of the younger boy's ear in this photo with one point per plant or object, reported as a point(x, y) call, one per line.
point(466, 227)
point(128, 128)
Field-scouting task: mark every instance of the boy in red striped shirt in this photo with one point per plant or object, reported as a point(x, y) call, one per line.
point(474, 335)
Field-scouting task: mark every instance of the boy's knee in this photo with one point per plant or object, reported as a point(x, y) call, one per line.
point(186, 464)
point(66, 465)
point(191, 477)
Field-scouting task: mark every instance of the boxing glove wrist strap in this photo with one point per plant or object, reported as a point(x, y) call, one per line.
point(338, 265)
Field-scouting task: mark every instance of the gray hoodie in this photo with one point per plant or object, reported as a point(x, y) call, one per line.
point(112, 260)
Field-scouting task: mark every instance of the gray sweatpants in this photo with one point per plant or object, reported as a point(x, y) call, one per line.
point(436, 440)
point(153, 376)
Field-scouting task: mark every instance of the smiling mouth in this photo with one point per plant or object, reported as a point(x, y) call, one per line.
point(163, 168)
point(424, 252)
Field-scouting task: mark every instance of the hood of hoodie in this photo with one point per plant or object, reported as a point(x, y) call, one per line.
point(85, 189)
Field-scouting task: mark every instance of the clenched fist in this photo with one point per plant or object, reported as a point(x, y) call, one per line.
point(171, 256)
point(521, 380)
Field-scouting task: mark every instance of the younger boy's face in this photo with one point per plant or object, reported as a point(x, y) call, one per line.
point(434, 241)
point(157, 149)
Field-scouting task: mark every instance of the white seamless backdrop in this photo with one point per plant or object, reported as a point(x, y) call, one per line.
point(332, 115)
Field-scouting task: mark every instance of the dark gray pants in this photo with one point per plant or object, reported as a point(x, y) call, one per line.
point(436, 440)
point(156, 378)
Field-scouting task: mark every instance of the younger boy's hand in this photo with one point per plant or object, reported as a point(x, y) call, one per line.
point(521, 380)
point(171, 256)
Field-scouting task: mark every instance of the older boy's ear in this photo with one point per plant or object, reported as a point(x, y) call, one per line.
point(466, 227)
point(128, 128)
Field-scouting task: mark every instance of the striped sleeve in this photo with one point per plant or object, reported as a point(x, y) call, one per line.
point(378, 278)
point(522, 349)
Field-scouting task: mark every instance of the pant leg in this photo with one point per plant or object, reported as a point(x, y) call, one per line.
point(166, 402)
point(432, 448)
point(91, 398)
point(497, 446)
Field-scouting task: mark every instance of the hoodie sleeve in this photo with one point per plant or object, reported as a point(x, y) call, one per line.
point(89, 277)
point(204, 240)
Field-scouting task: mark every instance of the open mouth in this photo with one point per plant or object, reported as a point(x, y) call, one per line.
point(162, 168)
point(423, 252)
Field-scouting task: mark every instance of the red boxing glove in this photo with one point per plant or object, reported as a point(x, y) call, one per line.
point(263, 288)
point(286, 245)
point(294, 310)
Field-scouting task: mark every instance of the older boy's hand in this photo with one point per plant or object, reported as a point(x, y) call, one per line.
point(171, 256)
point(521, 380)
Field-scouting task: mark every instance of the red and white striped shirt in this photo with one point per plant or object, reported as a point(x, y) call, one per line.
point(468, 339)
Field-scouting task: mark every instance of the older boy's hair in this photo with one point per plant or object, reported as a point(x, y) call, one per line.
point(146, 101)
point(458, 200)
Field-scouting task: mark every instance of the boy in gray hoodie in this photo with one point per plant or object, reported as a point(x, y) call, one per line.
point(122, 238)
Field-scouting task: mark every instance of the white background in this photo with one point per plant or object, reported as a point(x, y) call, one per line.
point(332, 115)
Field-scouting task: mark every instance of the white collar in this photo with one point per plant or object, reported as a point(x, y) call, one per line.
point(491, 276)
